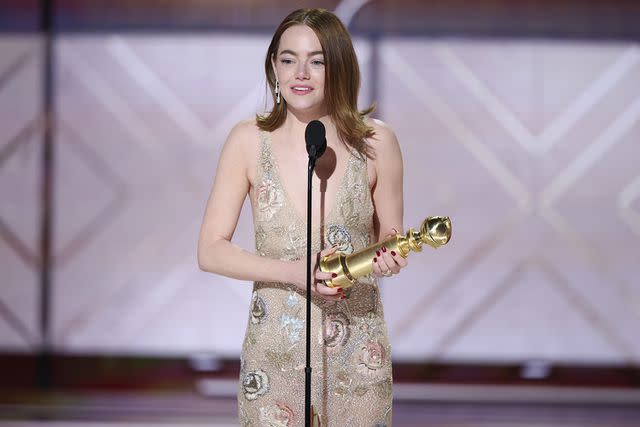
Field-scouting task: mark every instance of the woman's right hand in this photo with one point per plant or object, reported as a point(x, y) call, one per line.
point(318, 287)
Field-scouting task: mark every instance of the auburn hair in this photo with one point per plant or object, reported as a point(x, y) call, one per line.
point(342, 77)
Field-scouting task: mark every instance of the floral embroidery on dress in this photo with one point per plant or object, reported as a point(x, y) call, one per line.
point(278, 415)
point(293, 299)
point(280, 359)
point(383, 389)
point(361, 390)
point(295, 243)
point(371, 325)
point(293, 326)
point(350, 351)
point(270, 198)
point(261, 238)
point(349, 212)
point(343, 383)
point(370, 358)
point(346, 386)
point(336, 329)
point(338, 236)
point(258, 308)
point(255, 384)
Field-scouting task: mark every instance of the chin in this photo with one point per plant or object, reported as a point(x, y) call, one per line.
point(305, 106)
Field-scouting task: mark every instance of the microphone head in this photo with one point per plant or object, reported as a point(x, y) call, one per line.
point(315, 137)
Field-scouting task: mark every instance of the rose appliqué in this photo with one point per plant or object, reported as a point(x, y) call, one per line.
point(371, 357)
point(270, 199)
point(278, 415)
point(338, 236)
point(336, 329)
point(255, 384)
point(258, 309)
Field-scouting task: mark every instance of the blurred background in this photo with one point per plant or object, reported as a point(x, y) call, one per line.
point(519, 119)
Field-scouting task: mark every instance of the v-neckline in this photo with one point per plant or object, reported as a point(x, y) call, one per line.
point(302, 218)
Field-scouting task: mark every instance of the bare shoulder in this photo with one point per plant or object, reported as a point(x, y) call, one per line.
point(384, 141)
point(240, 151)
point(243, 135)
point(382, 129)
point(385, 151)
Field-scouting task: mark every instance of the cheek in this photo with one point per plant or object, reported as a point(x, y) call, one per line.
point(281, 73)
point(320, 79)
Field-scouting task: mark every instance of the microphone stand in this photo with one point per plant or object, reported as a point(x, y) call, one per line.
point(307, 370)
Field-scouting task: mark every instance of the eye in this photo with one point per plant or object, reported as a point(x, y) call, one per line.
point(317, 62)
point(286, 61)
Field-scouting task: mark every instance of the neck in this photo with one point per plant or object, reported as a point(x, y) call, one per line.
point(296, 123)
point(305, 116)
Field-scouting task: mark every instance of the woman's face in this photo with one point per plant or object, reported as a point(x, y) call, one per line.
point(299, 66)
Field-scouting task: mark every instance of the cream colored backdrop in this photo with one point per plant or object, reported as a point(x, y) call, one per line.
point(532, 147)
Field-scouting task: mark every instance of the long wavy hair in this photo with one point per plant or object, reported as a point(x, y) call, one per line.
point(342, 77)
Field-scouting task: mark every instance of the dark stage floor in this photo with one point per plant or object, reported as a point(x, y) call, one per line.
point(213, 404)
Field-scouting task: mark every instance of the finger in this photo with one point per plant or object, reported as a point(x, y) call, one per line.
point(321, 276)
point(391, 263)
point(385, 262)
point(337, 297)
point(328, 251)
point(393, 232)
point(376, 267)
point(399, 259)
point(326, 290)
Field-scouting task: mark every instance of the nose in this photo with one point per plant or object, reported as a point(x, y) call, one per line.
point(303, 70)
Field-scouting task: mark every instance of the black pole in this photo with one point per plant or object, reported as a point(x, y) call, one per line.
point(48, 114)
point(307, 369)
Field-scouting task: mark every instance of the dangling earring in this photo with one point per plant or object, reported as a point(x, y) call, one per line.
point(277, 92)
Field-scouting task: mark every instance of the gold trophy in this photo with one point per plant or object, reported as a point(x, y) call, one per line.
point(435, 232)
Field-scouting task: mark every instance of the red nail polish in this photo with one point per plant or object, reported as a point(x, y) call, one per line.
point(375, 259)
point(339, 289)
point(334, 274)
point(393, 253)
point(378, 253)
point(384, 249)
point(343, 297)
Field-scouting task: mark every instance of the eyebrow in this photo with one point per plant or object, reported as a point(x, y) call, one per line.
point(290, 52)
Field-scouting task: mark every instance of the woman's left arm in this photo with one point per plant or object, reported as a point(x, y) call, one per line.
point(387, 194)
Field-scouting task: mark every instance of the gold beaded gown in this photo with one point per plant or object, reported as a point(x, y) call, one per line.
point(350, 352)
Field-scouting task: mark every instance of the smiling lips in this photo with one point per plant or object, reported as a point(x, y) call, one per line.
point(301, 90)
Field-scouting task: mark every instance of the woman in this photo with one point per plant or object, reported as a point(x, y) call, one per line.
point(313, 73)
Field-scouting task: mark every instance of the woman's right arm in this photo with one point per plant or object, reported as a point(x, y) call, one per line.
point(216, 253)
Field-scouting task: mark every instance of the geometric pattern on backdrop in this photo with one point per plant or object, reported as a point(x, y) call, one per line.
point(529, 146)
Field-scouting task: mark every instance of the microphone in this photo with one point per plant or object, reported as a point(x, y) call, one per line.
point(315, 137)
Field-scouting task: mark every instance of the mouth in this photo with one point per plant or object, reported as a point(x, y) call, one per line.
point(301, 90)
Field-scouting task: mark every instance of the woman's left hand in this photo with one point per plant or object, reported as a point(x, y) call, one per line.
point(386, 263)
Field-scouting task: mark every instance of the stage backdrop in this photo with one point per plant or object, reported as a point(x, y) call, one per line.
point(532, 148)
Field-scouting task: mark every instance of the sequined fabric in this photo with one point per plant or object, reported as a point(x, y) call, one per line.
point(351, 366)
